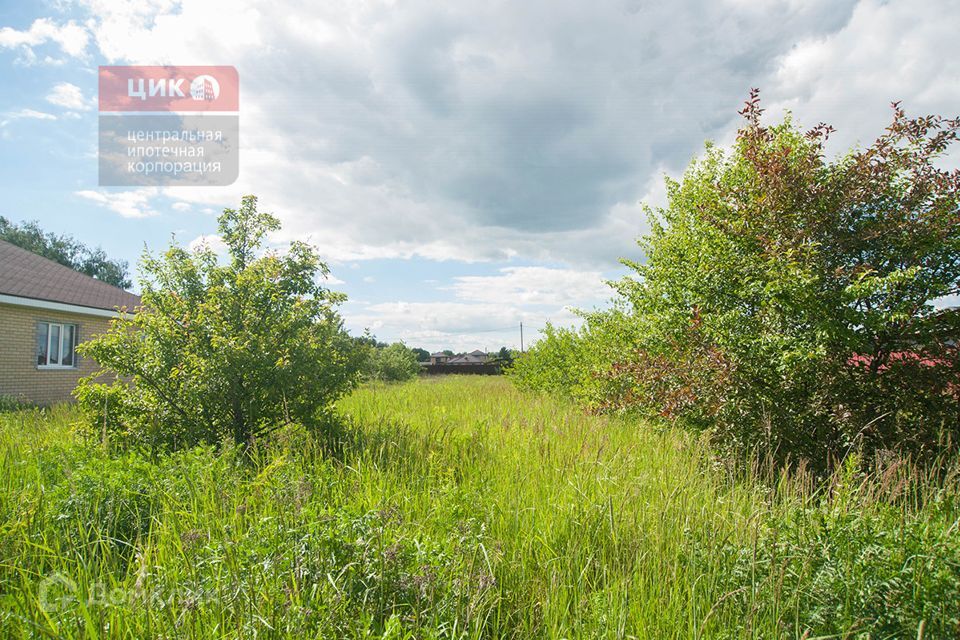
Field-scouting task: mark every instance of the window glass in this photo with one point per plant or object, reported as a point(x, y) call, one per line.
point(54, 344)
point(42, 328)
point(68, 345)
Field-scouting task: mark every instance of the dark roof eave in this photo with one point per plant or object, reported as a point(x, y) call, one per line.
point(71, 304)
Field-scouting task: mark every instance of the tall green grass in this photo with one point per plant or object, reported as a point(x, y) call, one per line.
point(462, 508)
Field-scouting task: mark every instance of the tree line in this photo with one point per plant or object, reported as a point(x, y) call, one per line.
point(66, 250)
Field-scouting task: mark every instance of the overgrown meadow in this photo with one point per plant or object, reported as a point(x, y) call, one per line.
point(463, 508)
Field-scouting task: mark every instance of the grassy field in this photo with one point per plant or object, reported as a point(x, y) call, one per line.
point(461, 507)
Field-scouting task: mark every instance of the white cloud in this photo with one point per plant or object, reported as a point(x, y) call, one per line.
point(29, 114)
point(180, 206)
point(68, 96)
point(488, 310)
point(129, 204)
point(479, 132)
point(211, 241)
point(71, 37)
point(22, 114)
point(533, 286)
point(887, 51)
point(453, 325)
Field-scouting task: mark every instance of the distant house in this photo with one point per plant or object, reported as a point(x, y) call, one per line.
point(473, 363)
point(472, 358)
point(46, 310)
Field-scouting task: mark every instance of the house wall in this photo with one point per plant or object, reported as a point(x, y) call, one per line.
point(19, 375)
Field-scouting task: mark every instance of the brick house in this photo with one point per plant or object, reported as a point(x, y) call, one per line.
point(473, 358)
point(46, 309)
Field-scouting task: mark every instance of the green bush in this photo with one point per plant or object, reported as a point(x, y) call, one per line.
point(222, 351)
point(787, 302)
point(8, 404)
point(110, 415)
point(392, 363)
point(572, 363)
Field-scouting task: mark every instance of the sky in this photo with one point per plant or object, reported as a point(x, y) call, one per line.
point(463, 167)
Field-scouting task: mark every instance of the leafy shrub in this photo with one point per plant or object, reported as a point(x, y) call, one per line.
point(552, 363)
point(787, 302)
point(110, 415)
point(392, 363)
point(8, 404)
point(573, 363)
point(223, 351)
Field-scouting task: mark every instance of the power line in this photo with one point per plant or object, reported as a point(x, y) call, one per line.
point(512, 327)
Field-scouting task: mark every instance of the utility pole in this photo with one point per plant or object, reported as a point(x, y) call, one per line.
point(521, 337)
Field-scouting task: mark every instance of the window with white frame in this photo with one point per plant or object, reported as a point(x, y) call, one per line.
point(56, 343)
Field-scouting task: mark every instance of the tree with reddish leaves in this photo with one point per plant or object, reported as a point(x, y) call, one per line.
point(782, 290)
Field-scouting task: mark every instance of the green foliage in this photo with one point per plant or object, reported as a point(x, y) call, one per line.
point(391, 363)
point(111, 415)
point(858, 557)
point(554, 363)
point(67, 251)
point(787, 302)
point(111, 500)
point(8, 403)
point(504, 357)
point(573, 363)
point(422, 354)
point(461, 507)
point(222, 351)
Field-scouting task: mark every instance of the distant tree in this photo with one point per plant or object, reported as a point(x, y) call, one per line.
point(369, 340)
point(447, 352)
point(67, 251)
point(394, 363)
point(422, 354)
point(504, 356)
point(218, 351)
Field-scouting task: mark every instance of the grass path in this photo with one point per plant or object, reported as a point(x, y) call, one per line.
point(596, 524)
